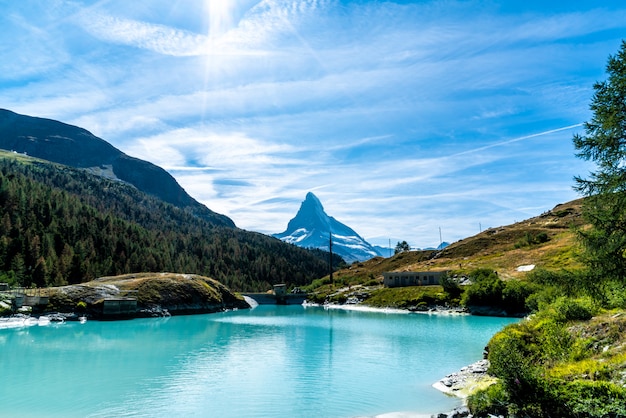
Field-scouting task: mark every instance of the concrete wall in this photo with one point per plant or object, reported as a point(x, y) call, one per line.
point(35, 300)
point(119, 307)
point(272, 299)
point(411, 278)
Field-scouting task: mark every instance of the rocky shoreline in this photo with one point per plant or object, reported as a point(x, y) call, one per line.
point(462, 384)
point(466, 381)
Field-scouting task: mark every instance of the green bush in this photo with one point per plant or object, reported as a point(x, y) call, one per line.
point(580, 309)
point(340, 298)
point(552, 342)
point(565, 280)
point(515, 294)
point(517, 359)
point(594, 398)
point(615, 295)
point(492, 400)
point(485, 290)
point(532, 239)
point(526, 358)
point(450, 286)
point(544, 296)
point(319, 298)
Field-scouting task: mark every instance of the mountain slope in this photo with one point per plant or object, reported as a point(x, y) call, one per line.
point(504, 249)
point(311, 228)
point(62, 225)
point(76, 147)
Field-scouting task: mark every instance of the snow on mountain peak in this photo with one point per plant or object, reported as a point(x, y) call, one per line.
point(311, 228)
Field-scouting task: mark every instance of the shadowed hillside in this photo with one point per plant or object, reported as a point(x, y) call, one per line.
point(76, 147)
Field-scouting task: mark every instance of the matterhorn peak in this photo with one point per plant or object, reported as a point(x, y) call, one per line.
point(312, 227)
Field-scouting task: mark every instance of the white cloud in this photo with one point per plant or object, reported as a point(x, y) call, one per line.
point(158, 38)
point(401, 116)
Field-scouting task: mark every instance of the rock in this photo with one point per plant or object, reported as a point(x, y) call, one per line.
point(467, 380)
point(147, 295)
point(460, 412)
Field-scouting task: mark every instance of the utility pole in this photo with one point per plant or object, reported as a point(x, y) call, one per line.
point(440, 239)
point(330, 256)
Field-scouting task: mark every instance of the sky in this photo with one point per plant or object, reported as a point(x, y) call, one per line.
point(410, 120)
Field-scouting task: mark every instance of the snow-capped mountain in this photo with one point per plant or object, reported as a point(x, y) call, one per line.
point(311, 228)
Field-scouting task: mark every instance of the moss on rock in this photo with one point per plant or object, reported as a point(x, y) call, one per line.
point(175, 293)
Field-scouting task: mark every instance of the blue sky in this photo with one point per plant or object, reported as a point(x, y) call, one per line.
point(403, 117)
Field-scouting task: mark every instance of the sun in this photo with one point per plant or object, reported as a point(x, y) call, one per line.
point(221, 16)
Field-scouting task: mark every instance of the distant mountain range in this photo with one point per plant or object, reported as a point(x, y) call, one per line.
point(312, 227)
point(76, 147)
point(389, 251)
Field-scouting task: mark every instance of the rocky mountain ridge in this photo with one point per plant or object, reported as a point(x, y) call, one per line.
point(312, 228)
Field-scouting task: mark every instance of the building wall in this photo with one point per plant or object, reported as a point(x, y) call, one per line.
point(411, 278)
point(119, 307)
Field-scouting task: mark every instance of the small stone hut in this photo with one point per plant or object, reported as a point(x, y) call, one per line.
point(411, 278)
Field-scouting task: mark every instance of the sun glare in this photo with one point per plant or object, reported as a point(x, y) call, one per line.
point(221, 16)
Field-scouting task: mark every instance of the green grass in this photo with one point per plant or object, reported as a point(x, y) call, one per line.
point(557, 363)
point(407, 297)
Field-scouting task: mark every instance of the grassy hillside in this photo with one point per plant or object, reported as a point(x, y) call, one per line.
point(502, 249)
point(547, 241)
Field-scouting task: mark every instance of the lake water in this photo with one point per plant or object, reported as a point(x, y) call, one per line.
point(271, 361)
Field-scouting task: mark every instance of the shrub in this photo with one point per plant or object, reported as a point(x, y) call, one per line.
point(486, 289)
point(340, 298)
point(568, 309)
point(569, 283)
point(511, 361)
point(450, 286)
point(372, 282)
point(530, 239)
point(515, 294)
point(319, 298)
point(594, 398)
point(492, 400)
point(552, 341)
point(517, 359)
point(615, 295)
point(543, 297)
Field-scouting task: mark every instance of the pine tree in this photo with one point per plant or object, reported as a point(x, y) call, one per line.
point(604, 143)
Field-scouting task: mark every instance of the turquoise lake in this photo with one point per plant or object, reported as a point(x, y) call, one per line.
point(271, 361)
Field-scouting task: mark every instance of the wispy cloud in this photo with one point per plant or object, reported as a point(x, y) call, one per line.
point(158, 38)
point(402, 117)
